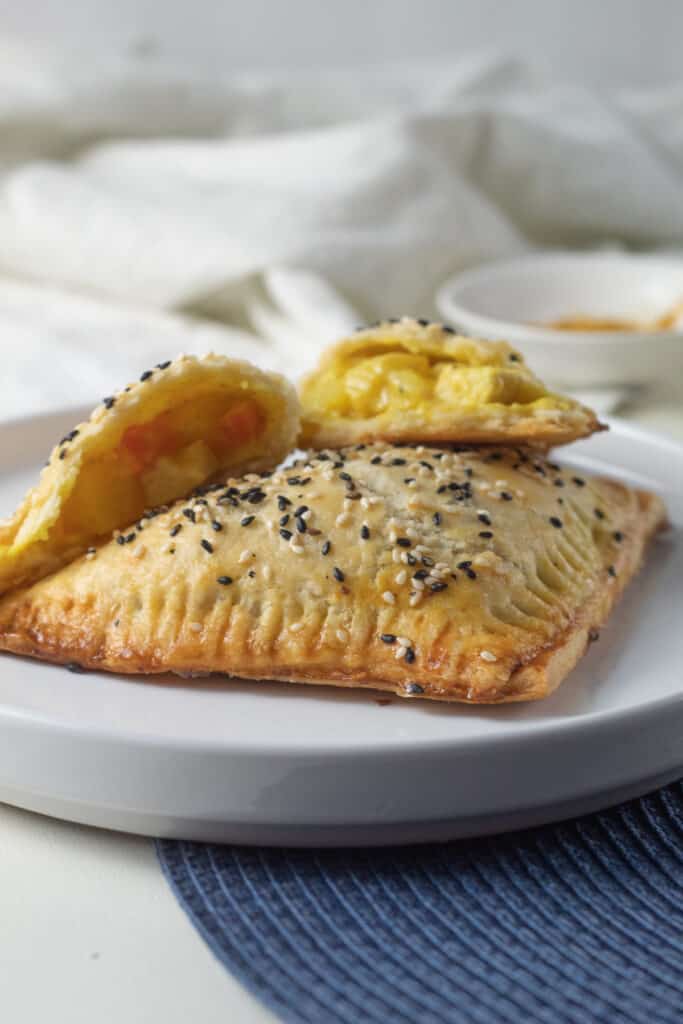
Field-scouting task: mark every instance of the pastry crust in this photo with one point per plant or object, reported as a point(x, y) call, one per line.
point(184, 422)
point(472, 575)
point(409, 380)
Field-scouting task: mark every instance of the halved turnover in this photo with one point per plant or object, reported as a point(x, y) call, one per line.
point(183, 423)
point(410, 380)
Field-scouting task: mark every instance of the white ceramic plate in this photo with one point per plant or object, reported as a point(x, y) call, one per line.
point(272, 763)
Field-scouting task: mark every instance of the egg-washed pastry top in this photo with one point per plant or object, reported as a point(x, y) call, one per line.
point(454, 574)
point(411, 380)
point(182, 423)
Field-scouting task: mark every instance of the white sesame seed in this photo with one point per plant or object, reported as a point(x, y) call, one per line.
point(374, 500)
point(388, 597)
point(401, 577)
point(396, 555)
point(140, 551)
point(415, 599)
point(342, 636)
point(403, 641)
point(90, 555)
point(419, 450)
point(417, 584)
point(364, 503)
point(267, 573)
point(501, 483)
point(400, 652)
point(295, 627)
point(393, 536)
point(403, 557)
point(244, 557)
point(196, 627)
point(341, 520)
point(487, 656)
point(306, 515)
point(297, 549)
point(411, 532)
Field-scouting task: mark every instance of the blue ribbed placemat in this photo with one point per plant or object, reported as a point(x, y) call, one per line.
point(580, 922)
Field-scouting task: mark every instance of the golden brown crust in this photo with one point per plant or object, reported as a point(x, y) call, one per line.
point(406, 381)
point(471, 575)
point(37, 539)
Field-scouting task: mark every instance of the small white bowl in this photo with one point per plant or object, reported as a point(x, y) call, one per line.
point(510, 300)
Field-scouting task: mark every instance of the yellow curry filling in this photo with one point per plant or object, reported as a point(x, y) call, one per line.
point(384, 377)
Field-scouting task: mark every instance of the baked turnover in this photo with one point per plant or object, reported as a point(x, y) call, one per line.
point(449, 572)
point(184, 422)
point(411, 380)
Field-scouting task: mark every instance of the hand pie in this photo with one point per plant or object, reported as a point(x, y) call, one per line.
point(454, 574)
point(183, 423)
point(409, 380)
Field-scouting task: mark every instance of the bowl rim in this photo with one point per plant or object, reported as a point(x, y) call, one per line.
point(512, 330)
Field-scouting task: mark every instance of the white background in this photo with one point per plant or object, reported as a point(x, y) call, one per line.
point(636, 42)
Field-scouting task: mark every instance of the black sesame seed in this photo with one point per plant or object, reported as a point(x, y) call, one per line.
point(338, 574)
point(513, 358)
point(74, 666)
point(251, 574)
point(345, 476)
point(484, 518)
point(506, 496)
point(618, 536)
point(247, 520)
point(189, 514)
point(165, 365)
point(612, 571)
point(146, 375)
point(414, 688)
point(129, 538)
point(224, 581)
point(282, 502)
point(421, 574)
point(439, 585)
point(397, 462)
point(558, 482)
point(593, 635)
point(409, 656)
point(176, 529)
point(471, 574)
point(578, 481)
point(464, 565)
point(486, 534)
point(300, 524)
point(284, 519)
point(375, 461)
point(404, 542)
point(325, 549)
point(599, 514)
point(442, 489)
point(557, 523)
point(120, 539)
point(409, 480)
point(365, 532)
point(109, 401)
point(207, 545)
point(426, 560)
point(388, 638)
point(255, 497)
point(215, 525)
point(293, 481)
point(300, 510)
point(62, 454)
point(286, 534)
point(411, 559)
point(436, 519)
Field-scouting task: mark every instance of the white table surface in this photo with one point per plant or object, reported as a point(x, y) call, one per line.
point(90, 931)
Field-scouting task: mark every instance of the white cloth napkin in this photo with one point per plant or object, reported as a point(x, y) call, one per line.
point(146, 210)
